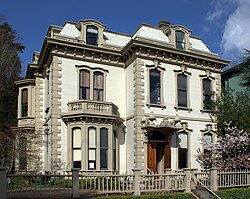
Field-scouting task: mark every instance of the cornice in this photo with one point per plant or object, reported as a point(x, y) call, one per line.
point(79, 51)
point(135, 48)
point(25, 82)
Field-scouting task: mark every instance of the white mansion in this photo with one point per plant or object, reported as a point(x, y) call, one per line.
point(106, 101)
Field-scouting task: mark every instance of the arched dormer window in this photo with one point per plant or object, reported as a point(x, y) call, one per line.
point(98, 86)
point(180, 40)
point(24, 102)
point(155, 86)
point(92, 35)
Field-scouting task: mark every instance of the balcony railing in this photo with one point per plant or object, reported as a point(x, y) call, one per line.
point(93, 108)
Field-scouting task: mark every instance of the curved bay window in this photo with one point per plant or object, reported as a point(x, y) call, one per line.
point(182, 90)
point(207, 94)
point(98, 86)
point(24, 103)
point(76, 148)
point(155, 86)
point(84, 84)
point(92, 148)
point(182, 150)
point(180, 39)
point(92, 35)
point(103, 148)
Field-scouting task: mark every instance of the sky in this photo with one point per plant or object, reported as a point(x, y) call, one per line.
point(223, 25)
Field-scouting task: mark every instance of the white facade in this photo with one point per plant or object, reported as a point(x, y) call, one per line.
point(105, 101)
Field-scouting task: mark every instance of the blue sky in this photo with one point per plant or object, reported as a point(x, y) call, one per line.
point(222, 24)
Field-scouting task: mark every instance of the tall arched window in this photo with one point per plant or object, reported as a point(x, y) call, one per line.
point(180, 39)
point(76, 148)
point(182, 150)
point(182, 90)
point(104, 148)
point(98, 86)
point(155, 86)
point(207, 94)
point(92, 148)
point(24, 102)
point(84, 84)
point(92, 35)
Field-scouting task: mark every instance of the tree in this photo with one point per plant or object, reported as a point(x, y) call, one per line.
point(10, 70)
point(244, 69)
point(233, 110)
point(10, 67)
point(231, 151)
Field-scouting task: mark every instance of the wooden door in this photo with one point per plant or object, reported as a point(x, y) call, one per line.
point(167, 156)
point(152, 164)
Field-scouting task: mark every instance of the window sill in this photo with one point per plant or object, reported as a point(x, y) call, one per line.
point(156, 106)
point(206, 111)
point(183, 108)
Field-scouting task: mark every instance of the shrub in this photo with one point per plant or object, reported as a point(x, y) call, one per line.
point(238, 193)
point(156, 196)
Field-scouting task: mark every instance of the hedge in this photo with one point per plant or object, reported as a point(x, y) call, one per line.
point(237, 193)
point(155, 196)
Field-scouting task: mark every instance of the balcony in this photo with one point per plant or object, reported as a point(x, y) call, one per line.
point(89, 108)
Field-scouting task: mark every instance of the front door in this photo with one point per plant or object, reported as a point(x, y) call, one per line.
point(159, 156)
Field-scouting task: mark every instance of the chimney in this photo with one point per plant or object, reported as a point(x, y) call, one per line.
point(163, 24)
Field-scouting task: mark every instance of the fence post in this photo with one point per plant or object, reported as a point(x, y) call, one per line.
point(75, 183)
point(214, 179)
point(137, 175)
point(3, 192)
point(187, 179)
point(167, 179)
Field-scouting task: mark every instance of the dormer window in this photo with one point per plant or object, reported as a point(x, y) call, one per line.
point(180, 39)
point(92, 35)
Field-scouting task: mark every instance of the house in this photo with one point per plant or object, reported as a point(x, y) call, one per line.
point(105, 101)
point(231, 80)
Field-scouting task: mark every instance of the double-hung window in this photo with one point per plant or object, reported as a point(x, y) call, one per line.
point(104, 148)
point(24, 102)
point(76, 148)
point(98, 86)
point(92, 148)
point(207, 94)
point(91, 85)
point(182, 90)
point(84, 84)
point(182, 150)
point(155, 86)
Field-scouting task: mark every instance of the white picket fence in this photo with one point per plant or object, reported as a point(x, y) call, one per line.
point(75, 182)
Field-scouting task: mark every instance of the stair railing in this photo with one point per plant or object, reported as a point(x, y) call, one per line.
point(209, 190)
